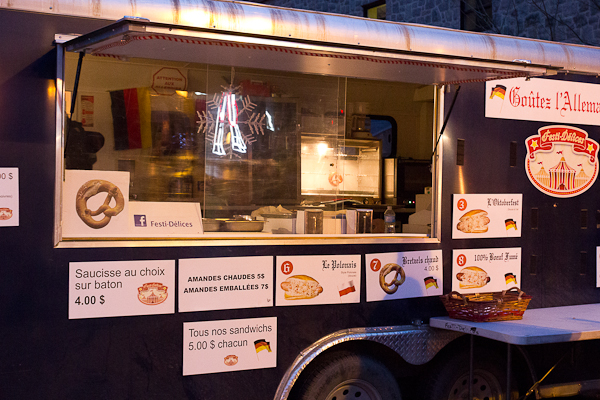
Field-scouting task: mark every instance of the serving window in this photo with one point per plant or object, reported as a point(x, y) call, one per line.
point(170, 150)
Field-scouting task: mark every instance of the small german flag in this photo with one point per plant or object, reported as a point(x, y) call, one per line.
point(430, 282)
point(262, 344)
point(510, 277)
point(499, 91)
point(510, 224)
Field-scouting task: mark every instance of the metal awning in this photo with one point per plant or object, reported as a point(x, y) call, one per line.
point(259, 36)
point(128, 38)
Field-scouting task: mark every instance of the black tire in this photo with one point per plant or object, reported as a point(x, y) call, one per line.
point(345, 376)
point(449, 380)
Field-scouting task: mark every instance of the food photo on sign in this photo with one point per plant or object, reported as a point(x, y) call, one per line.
point(392, 276)
point(304, 280)
point(486, 215)
point(95, 203)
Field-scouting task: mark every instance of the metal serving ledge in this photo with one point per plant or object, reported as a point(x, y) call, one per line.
point(538, 326)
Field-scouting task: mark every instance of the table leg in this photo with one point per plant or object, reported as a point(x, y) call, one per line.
point(508, 370)
point(471, 370)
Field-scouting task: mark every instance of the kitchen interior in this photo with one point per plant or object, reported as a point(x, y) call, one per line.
point(262, 151)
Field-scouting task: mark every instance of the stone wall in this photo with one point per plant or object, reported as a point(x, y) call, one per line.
point(572, 21)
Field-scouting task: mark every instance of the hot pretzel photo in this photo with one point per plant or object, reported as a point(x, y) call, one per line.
point(92, 188)
point(398, 279)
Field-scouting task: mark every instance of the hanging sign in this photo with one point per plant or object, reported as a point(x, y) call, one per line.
point(546, 100)
point(486, 270)
point(9, 197)
point(167, 80)
point(392, 276)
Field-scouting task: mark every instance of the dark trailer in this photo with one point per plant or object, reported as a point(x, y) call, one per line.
point(223, 199)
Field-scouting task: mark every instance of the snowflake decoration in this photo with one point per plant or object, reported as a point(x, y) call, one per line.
point(221, 125)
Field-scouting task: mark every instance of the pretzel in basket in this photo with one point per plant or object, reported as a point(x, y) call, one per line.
point(391, 287)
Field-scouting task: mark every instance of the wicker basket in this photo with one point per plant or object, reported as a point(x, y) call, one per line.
point(486, 307)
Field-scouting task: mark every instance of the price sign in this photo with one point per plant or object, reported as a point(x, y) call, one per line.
point(393, 276)
point(237, 283)
point(229, 345)
point(9, 197)
point(121, 288)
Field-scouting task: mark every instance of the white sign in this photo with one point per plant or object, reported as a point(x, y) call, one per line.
point(546, 100)
point(164, 219)
point(303, 280)
point(561, 160)
point(167, 80)
point(486, 270)
point(95, 203)
point(9, 197)
point(121, 288)
point(486, 215)
point(392, 276)
point(597, 267)
point(230, 345)
point(225, 283)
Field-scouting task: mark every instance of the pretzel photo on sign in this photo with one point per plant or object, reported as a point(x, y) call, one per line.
point(92, 188)
point(391, 287)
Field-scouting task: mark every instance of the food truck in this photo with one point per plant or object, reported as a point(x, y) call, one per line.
point(221, 199)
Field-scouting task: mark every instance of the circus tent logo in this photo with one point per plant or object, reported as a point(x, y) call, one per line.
point(561, 160)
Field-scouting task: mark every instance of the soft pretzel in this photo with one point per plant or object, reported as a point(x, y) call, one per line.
point(90, 189)
point(390, 288)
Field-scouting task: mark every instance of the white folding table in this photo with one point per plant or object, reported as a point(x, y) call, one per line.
point(538, 326)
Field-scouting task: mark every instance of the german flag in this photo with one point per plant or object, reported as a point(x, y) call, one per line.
point(510, 277)
point(430, 282)
point(499, 91)
point(510, 224)
point(131, 118)
point(262, 344)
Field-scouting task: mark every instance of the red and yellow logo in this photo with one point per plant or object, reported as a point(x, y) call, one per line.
point(561, 160)
point(152, 293)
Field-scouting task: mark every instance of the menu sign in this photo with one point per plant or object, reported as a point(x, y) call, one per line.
point(486, 270)
point(303, 280)
point(597, 267)
point(95, 203)
point(543, 100)
point(225, 283)
point(392, 276)
point(486, 215)
point(230, 345)
point(164, 219)
point(121, 288)
point(9, 197)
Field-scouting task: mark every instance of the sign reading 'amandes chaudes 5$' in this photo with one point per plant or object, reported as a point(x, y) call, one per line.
point(561, 160)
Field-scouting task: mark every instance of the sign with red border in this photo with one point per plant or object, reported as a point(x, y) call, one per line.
point(562, 161)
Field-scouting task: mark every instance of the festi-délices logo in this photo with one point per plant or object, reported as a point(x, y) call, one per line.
point(561, 160)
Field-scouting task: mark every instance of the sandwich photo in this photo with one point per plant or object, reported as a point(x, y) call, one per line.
point(472, 277)
point(299, 287)
point(475, 221)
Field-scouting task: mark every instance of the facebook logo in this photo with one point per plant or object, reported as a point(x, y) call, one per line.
point(139, 220)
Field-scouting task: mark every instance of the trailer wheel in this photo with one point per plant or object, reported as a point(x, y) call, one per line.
point(450, 379)
point(347, 376)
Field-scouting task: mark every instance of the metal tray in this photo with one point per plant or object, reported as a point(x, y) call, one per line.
point(243, 226)
point(210, 225)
